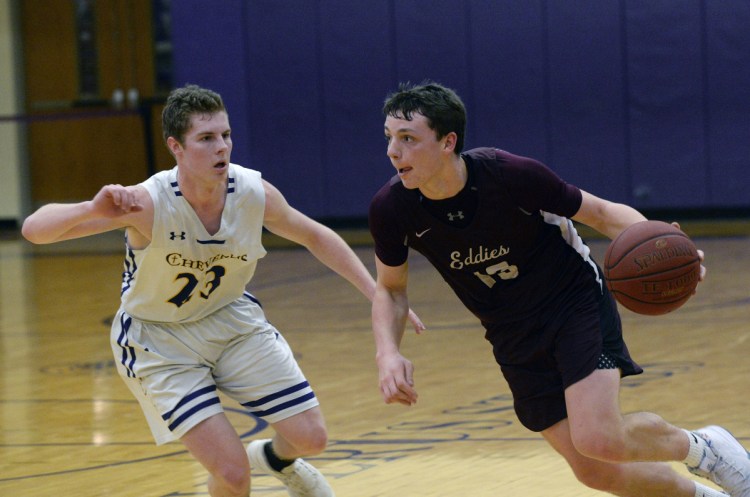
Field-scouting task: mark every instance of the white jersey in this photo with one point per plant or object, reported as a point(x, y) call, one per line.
point(185, 274)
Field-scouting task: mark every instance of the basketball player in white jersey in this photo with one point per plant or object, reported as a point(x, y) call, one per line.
point(186, 328)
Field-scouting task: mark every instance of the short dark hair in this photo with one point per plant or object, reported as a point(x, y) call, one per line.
point(182, 104)
point(443, 108)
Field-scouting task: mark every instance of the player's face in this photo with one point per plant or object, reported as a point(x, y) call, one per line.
point(415, 151)
point(207, 146)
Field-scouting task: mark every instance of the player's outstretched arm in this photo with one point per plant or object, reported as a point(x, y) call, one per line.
point(114, 206)
point(327, 246)
point(608, 218)
point(324, 243)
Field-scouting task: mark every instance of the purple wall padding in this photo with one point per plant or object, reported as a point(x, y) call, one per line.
point(643, 102)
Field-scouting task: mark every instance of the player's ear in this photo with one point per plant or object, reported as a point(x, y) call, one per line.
point(450, 141)
point(173, 145)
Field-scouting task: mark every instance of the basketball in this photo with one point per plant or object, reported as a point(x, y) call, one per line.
point(652, 268)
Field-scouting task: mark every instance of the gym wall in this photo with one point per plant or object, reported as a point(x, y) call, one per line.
point(638, 101)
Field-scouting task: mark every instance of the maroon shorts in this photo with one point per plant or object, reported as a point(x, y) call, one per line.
point(540, 357)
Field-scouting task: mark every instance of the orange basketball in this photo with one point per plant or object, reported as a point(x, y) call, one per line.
point(652, 268)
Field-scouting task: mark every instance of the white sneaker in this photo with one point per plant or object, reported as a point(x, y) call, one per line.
point(300, 479)
point(725, 462)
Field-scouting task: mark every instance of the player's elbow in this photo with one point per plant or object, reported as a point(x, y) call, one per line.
point(29, 233)
point(33, 233)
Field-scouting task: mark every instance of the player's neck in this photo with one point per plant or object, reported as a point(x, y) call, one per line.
point(449, 183)
point(207, 198)
point(202, 191)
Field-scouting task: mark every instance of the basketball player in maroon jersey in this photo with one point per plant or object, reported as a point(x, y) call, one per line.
point(498, 227)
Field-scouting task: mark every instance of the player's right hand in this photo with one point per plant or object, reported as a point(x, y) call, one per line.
point(397, 380)
point(116, 200)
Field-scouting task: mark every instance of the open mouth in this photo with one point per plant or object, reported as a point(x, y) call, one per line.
point(403, 170)
point(220, 165)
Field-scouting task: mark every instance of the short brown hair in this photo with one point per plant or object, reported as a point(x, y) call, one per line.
point(182, 104)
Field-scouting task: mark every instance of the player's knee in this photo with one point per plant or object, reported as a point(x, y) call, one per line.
point(310, 441)
point(234, 479)
point(306, 433)
point(314, 442)
point(602, 446)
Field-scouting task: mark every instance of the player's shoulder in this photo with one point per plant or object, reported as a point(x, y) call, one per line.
point(160, 182)
point(482, 153)
point(383, 203)
point(500, 163)
point(245, 184)
point(488, 163)
point(239, 170)
point(497, 157)
point(389, 189)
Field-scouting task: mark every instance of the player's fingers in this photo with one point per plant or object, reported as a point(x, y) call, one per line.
point(131, 202)
point(389, 390)
point(409, 397)
point(702, 273)
point(416, 323)
point(407, 386)
point(409, 374)
point(118, 196)
point(114, 195)
point(393, 392)
point(386, 396)
point(394, 397)
point(402, 398)
point(407, 393)
point(124, 202)
point(397, 399)
point(127, 200)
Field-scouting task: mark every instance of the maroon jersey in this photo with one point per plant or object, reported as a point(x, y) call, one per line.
point(519, 253)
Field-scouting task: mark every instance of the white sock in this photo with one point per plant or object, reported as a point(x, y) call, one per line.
point(695, 453)
point(704, 491)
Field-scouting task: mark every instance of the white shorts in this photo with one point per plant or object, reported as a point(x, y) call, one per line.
point(176, 370)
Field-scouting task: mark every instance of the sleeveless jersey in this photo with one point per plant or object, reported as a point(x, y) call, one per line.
point(185, 274)
point(519, 252)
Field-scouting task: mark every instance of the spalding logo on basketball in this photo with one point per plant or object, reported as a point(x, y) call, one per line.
point(652, 268)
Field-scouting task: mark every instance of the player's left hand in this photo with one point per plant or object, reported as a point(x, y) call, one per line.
point(701, 256)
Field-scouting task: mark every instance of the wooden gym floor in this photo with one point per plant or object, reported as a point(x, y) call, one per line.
point(71, 428)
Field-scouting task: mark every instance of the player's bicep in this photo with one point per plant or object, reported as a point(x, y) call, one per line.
point(591, 211)
point(391, 278)
point(280, 218)
point(299, 228)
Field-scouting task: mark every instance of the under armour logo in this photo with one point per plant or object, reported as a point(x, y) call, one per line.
point(457, 215)
point(175, 236)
